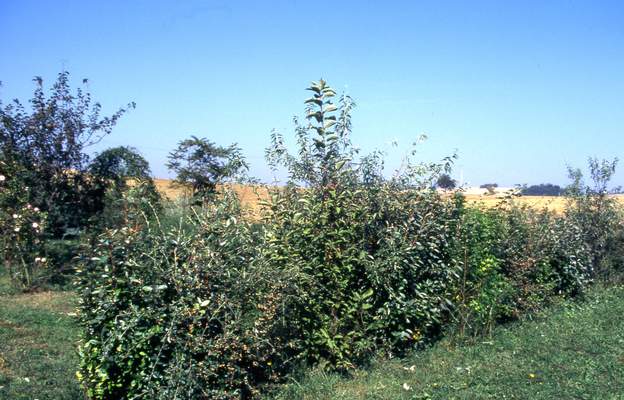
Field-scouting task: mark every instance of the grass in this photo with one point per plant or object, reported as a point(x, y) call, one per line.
point(572, 351)
point(38, 358)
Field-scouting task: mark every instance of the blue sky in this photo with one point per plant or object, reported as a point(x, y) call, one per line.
point(520, 89)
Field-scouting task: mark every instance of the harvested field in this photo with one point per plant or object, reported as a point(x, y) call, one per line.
point(250, 195)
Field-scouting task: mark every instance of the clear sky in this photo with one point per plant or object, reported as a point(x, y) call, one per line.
point(519, 88)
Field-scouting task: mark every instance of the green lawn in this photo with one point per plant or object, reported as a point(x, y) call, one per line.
point(573, 351)
point(38, 358)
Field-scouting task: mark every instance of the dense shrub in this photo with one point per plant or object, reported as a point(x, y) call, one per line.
point(43, 155)
point(173, 313)
point(346, 262)
point(514, 261)
point(600, 218)
point(21, 230)
point(373, 269)
point(49, 141)
point(118, 169)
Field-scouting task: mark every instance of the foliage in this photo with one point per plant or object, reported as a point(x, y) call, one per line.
point(571, 351)
point(177, 313)
point(514, 261)
point(543, 189)
point(347, 262)
point(48, 142)
point(369, 251)
point(446, 182)
point(21, 228)
point(599, 216)
point(118, 168)
point(202, 165)
point(118, 164)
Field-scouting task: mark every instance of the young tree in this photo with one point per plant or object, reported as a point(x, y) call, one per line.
point(201, 165)
point(47, 143)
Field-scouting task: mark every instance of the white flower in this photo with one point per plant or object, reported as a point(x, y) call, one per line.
point(36, 209)
point(28, 206)
point(2, 178)
point(43, 259)
point(37, 259)
point(17, 229)
point(35, 225)
point(15, 216)
point(407, 387)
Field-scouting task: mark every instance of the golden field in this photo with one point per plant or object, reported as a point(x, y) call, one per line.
point(249, 196)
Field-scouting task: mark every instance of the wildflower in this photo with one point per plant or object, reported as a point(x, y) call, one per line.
point(15, 216)
point(17, 229)
point(43, 259)
point(36, 209)
point(37, 259)
point(2, 178)
point(35, 225)
point(532, 376)
point(407, 387)
point(28, 206)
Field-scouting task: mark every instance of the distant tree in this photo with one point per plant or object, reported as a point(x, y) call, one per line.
point(118, 164)
point(491, 187)
point(117, 169)
point(543, 189)
point(46, 143)
point(446, 182)
point(201, 165)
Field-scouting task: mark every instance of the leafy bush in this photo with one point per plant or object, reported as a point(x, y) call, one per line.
point(347, 262)
point(173, 313)
point(600, 218)
point(117, 170)
point(514, 261)
point(371, 251)
point(48, 141)
point(21, 228)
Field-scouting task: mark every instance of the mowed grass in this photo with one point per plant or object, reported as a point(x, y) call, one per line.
point(572, 351)
point(38, 358)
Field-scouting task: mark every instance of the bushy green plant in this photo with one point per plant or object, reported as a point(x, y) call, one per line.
point(600, 218)
point(201, 165)
point(346, 262)
point(371, 251)
point(21, 230)
point(176, 313)
point(118, 169)
point(514, 261)
point(49, 140)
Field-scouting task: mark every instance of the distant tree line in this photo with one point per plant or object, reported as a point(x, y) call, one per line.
point(543, 189)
